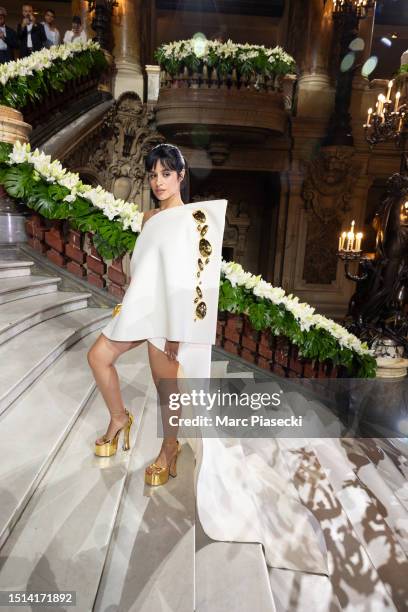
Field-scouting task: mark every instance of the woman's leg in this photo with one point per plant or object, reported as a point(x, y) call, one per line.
point(164, 368)
point(101, 358)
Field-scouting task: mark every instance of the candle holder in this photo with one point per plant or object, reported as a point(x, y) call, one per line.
point(389, 120)
point(359, 8)
point(350, 257)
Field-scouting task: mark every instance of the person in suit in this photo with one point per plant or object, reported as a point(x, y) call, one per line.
point(8, 39)
point(31, 34)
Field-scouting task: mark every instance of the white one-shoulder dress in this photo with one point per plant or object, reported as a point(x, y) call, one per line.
point(240, 494)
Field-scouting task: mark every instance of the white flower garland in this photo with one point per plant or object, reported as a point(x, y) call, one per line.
point(39, 60)
point(181, 49)
point(131, 217)
point(53, 172)
point(303, 313)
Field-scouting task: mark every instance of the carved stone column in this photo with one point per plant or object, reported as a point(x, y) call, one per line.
point(309, 40)
point(126, 51)
point(322, 201)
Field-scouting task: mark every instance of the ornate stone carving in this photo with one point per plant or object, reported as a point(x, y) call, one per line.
point(327, 192)
point(115, 151)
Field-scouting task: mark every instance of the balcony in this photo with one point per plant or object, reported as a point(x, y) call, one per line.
point(203, 108)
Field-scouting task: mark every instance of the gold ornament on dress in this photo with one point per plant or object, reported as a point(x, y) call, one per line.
point(205, 250)
point(116, 310)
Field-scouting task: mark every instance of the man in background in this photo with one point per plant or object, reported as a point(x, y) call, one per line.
point(8, 39)
point(30, 33)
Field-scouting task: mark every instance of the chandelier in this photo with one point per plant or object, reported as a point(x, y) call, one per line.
point(358, 8)
point(389, 120)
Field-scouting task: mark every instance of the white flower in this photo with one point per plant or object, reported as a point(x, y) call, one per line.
point(20, 153)
point(53, 172)
point(40, 60)
point(303, 313)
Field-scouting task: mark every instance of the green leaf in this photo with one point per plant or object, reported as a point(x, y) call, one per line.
point(18, 179)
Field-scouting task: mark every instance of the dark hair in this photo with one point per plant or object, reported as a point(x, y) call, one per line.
point(171, 158)
point(77, 20)
point(50, 11)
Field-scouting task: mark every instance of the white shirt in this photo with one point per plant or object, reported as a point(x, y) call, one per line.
point(69, 36)
point(53, 36)
point(29, 41)
point(3, 46)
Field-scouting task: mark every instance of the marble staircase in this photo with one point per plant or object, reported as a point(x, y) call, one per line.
point(72, 521)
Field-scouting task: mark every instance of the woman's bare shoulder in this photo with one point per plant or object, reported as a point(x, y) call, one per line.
point(147, 215)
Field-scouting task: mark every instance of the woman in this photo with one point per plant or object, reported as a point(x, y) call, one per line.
point(330, 512)
point(172, 302)
point(158, 305)
point(76, 33)
point(51, 30)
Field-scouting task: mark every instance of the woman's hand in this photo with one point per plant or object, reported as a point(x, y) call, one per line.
point(171, 349)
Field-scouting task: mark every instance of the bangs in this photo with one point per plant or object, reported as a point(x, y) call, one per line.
point(167, 157)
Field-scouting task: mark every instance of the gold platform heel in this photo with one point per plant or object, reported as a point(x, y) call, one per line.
point(109, 447)
point(161, 474)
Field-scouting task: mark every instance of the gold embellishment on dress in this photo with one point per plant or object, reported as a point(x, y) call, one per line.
point(116, 310)
point(199, 216)
point(201, 310)
point(205, 250)
point(205, 247)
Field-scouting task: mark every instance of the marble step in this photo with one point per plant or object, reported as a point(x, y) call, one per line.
point(233, 576)
point(20, 315)
point(218, 369)
point(12, 269)
point(25, 286)
point(182, 569)
point(26, 356)
point(150, 564)
point(239, 375)
point(61, 539)
point(294, 590)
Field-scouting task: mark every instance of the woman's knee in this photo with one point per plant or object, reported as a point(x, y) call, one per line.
point(98, 355)
point(93, 357)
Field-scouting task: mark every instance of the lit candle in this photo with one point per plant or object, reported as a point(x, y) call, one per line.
point(390, 85)
point(350, 238)
point(342, 240)
point(359, 238)
point(370, 112)
point(397, 99)
point(381, 100)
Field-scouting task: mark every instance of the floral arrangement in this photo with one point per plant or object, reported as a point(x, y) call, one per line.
point(195, 53)
point(55, 193)
point(30, 78)
point(269, 307)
